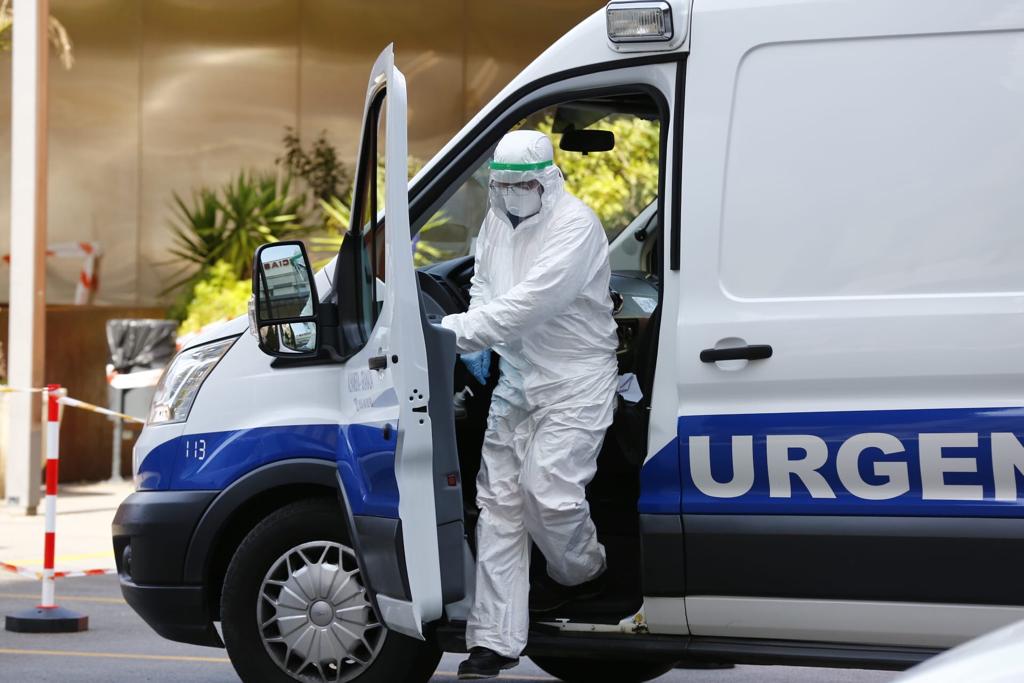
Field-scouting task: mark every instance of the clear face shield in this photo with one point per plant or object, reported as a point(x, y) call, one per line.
point(518, 189)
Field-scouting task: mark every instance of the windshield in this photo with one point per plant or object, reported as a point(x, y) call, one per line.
point(617, 184)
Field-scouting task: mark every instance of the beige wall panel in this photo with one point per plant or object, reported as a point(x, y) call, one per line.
point(340, 40)
point(168, 95)
point(93, 170)
point(219, 84)
point(503, 37)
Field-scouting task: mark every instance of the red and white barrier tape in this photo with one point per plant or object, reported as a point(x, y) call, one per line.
point(69, 574)
point(55, 397)
point(74, 403)
point(21, 571)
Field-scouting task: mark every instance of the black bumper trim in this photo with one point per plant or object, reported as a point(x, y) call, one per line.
point(965, 560)
point(158, 526)
point(175, 612)
point(664, 562)
point(552, 642)
point(382, 555)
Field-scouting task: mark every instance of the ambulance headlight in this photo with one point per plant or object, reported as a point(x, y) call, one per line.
point(181, 381)
point(633, 22)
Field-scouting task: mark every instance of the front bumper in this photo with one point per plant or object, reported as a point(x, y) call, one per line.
point(175, 612)
point(151, 535)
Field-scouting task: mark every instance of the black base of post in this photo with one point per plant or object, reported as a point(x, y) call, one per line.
point(47, 620)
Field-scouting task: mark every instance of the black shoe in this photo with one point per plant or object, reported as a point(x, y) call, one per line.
point(548, 595)
point(484, 663)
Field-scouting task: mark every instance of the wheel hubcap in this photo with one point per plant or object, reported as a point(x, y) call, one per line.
point(315, 617)
point(321, 613)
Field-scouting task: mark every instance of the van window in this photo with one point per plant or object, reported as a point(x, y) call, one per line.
point(887, 166)
point(617, 185)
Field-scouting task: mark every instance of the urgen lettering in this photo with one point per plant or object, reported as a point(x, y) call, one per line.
point(803, 455)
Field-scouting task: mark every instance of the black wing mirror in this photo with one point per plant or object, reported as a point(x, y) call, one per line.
point(586, 140)
point(283, 309)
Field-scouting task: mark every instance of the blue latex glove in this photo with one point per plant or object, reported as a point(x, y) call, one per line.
point(478, 364)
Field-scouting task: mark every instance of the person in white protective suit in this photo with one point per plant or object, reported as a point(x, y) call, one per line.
point(540, 299)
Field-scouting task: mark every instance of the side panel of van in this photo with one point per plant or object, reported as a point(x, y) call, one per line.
point(852, 198)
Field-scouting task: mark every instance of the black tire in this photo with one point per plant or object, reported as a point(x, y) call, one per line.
point(573, 670)
point(400, 658)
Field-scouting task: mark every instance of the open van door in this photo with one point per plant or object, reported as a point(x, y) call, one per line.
point(380, 313)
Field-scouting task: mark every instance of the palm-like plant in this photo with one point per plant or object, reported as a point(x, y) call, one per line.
point(228, 224)
point(338, 218)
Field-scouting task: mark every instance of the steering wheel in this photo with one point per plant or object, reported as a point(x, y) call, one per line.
point(437, 300)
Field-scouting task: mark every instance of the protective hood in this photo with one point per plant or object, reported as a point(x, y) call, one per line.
point(522, 171)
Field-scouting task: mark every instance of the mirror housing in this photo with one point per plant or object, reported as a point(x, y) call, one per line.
point(284, 307)
point(586, 140)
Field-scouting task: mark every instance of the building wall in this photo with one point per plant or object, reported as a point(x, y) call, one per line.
point(167, 95)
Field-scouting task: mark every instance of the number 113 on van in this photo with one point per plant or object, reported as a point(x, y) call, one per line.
point(195, 449)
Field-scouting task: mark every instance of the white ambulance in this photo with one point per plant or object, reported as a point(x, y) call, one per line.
point(820, 295)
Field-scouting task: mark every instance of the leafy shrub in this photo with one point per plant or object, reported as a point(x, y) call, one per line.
point(319, 167)
point(336, 212)
point(618, 184)
point(219, 295)
point(337, 218)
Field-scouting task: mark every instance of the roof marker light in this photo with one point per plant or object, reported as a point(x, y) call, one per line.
point(639, 22)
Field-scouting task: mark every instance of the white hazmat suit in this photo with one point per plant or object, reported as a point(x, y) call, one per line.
point(539, 298)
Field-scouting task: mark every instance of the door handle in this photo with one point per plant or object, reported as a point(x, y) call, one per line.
point(751, 352)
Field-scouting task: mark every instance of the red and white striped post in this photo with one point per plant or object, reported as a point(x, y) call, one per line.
point(52, 472)
point(47, 617)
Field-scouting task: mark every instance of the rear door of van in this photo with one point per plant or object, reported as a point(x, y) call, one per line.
point(852, 206)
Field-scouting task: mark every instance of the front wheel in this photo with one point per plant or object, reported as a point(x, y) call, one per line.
point(295, 607)
point(573, 670)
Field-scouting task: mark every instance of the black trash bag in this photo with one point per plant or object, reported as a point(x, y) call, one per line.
point(141, 344)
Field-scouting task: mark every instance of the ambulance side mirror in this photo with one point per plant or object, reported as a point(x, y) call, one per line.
point(283, 308)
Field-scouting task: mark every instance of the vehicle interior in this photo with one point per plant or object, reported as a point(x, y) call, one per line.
point(608, 146)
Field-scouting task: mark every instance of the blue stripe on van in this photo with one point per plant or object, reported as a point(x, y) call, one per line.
point(213, 460)
point(969, 463)
point(660, 482)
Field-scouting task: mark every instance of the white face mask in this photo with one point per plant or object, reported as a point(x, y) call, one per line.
point(521, 202)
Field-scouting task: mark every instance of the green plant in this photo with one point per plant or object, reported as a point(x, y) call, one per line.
point(58, 35)
point(325, 247)
point(319, 167)
point(430, 236)
point(219, 295)
point(617, 184)
point(229, 223)
point(337, 218)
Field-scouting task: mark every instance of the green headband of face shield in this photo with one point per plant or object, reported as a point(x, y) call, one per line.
point(498, 166)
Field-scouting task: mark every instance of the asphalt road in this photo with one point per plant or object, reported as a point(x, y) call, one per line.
point(120, 647)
